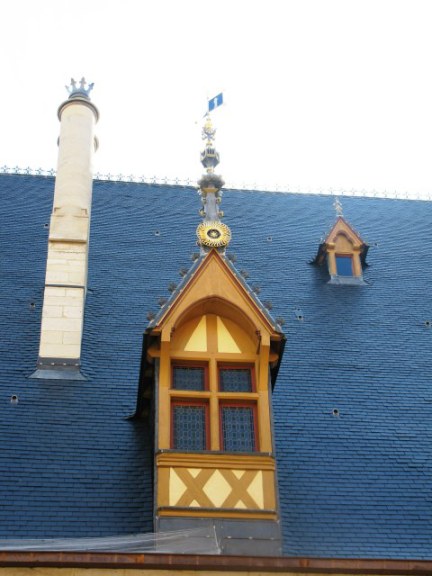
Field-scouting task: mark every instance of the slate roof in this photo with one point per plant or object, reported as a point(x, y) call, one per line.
point(356, 484)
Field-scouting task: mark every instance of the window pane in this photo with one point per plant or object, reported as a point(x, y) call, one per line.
point(238, 429)
point(188, 378)
point(235, 380)
point(344, 265)
point(189, 427)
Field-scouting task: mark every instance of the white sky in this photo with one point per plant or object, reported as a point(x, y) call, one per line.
point(320, 94)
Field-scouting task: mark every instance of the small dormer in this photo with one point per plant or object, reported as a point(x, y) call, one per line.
point(344, 252)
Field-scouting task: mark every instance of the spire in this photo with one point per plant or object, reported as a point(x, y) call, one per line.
point(212, 233)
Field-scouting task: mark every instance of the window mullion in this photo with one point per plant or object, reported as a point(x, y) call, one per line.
point(214, 405)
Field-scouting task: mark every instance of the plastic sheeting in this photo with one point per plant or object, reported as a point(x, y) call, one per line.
point(193, 541)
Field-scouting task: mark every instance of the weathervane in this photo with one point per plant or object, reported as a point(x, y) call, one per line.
point(338, 207)
point(80, 90)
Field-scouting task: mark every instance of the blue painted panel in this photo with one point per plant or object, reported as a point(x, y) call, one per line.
point(344, 265)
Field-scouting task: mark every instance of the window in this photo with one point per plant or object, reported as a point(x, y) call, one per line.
point(189, 377)
point(344, 265)
point(235, 379)
point(189, 426)
point(238, 427)
point(233, 400)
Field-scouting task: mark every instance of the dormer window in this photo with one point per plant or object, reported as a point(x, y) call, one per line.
point(189, 377)
point(231, 387)
point(238, 426)
point(212, 356)
point(344, 253)
point(190, 425)
point(344, 265)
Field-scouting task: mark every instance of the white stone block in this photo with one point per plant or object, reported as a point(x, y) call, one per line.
point(71, 337)
point(59, 350)
point(52, 311)
point(72, 312)
point(54, 291)
point(63, 324)
point(52, 337)
point(54, 277)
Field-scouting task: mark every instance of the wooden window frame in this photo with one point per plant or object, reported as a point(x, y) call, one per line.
point(212, 395)
point(192, 402)
point(239, 404)
point(236, 366)
point(186, 364)
point(351, 257)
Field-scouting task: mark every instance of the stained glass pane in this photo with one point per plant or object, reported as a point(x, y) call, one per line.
point(189, 424)
point(235, 380)
point(188, 378)
point(238, 429)
point(344, 266)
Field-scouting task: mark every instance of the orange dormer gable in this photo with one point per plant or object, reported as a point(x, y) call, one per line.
point(344, 252)
point(340, 230)
point(214, 287)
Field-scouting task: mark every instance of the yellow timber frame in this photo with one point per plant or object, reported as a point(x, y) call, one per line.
point(214, 321)
point(343, 241)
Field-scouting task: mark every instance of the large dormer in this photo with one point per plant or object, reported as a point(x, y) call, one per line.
point(210, 359)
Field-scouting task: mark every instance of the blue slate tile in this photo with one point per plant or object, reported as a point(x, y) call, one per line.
point(354, 485)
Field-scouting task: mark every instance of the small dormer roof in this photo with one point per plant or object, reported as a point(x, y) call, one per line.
point(341, 227)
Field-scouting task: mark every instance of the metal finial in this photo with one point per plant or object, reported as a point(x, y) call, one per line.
point(211, 232)
point(338, 207)
point(81, 90)
point(208, 131)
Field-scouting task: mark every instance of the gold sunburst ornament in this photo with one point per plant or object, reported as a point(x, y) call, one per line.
point(213, 234)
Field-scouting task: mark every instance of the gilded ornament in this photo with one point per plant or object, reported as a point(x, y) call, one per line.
point(213, 234)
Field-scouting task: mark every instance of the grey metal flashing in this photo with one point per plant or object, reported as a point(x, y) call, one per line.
point(235, 537)
point(347, 280)
point(58, 369)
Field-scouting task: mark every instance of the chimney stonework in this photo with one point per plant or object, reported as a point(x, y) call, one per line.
point(68, 244)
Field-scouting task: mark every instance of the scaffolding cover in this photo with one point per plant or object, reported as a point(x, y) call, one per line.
point(194, 541)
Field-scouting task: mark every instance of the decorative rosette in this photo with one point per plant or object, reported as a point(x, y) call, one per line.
point(213, 234)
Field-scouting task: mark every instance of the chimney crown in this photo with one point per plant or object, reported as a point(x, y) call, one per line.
point(79, 90)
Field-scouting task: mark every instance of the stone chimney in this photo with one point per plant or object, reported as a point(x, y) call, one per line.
point(68, 244)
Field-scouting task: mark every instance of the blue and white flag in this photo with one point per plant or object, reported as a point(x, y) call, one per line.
point(215, 102)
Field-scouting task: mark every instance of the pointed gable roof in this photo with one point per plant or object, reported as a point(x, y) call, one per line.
point(341, 226)
point(213, 276)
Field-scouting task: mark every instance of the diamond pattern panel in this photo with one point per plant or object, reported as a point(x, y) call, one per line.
point(241, 489)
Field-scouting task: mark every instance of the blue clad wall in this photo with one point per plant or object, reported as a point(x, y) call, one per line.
point(355, 484)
